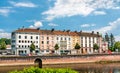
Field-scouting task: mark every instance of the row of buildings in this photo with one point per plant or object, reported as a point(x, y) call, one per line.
point(45, 40)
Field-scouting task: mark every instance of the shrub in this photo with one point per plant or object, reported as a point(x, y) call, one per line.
point(44, 70)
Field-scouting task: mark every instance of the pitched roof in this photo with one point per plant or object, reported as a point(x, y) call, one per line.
point(27, 30)
point(58, 32)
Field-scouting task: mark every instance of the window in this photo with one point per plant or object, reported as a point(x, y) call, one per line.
point(36, 37)
point(25, 41)
point(65, 38)
point(25, 37)
point(22, 46)
point(19, 37)
point(25, 46)
point(61, 38)
point(36, 46)
point(13, 45)
point(85, 45)
point(36, 41)
point(42, 38)
point(81, 37)
point(13, 41)
point(47, 42)
point(69, 39)
point(19, 41)
point(81, 45)
point(47, 38)
point(47, 50)
point(52, 38)
point(25, 51)
point(42, 42)
point(89, 45)
point(31, 37)
point(22, 41)
point(57, 38)
point(19, 46)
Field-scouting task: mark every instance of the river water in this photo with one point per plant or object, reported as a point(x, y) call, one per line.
point(82, 68)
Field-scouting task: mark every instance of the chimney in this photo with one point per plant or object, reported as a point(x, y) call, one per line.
point(92, 32)
point(38, 28)
point(97, 33)
point(68, 31)
point(80, 31)
point(64, 30)
point(52, 29)
point(75, 31)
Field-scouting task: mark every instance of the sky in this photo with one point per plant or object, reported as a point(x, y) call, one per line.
point(101, 16)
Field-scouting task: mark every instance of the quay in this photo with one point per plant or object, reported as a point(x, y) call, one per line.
point(58, 59)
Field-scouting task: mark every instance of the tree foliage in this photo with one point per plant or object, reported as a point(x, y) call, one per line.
point(117, 45)
point(7, 41)
point(107, 39)
point(95, 47)
point(77, 46)
point(56, 47)
point(32, 47)
point(2, 45)
point(110, 39)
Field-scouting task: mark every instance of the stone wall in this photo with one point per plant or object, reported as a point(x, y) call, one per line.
point(58, 59)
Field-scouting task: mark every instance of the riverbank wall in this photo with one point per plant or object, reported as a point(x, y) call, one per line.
point(8, 61)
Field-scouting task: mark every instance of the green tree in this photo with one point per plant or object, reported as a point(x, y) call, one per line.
point(7, 41)
point(107, 39)
point(2, 46)
point(95, 46)
point(56, 47)
point(117, 46)
point(32, 47)
point(112, 40)
point(77, 47)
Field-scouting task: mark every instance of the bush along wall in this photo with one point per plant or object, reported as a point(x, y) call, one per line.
point(44, 70)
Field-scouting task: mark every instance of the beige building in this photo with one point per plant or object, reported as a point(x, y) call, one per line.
point(45, 41)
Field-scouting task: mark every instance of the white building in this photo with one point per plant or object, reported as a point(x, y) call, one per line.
point(22, 39)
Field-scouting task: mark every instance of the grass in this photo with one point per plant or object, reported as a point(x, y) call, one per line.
point(44, 70)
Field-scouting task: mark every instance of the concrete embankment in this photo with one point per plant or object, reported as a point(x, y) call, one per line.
point(84, 59)
point(60, 59)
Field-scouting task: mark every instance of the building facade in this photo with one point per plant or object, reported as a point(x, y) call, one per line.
point(45, 40)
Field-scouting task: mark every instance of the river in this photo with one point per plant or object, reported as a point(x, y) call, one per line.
point(82, 68)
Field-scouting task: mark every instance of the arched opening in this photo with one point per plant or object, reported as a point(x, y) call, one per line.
point(38, 62)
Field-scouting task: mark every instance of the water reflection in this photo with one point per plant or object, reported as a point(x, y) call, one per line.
point(100, 68)
point(91, 68)
point(82, 68)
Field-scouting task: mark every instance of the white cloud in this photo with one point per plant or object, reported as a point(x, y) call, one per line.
point(52, 24)
point(67, 8)
point(99, 12)
point(117, 38)
point(22, 4)
point(111, 27)
point(5, 12)
point(30, 20)
point(87, 25)
point(4, 34)
point(36, 24)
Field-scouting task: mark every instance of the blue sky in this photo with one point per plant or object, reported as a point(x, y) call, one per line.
point(85, 15)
